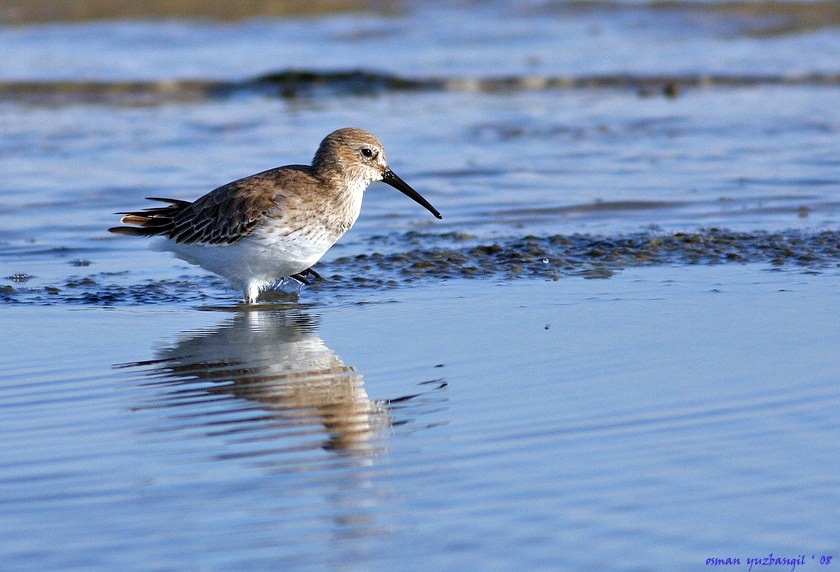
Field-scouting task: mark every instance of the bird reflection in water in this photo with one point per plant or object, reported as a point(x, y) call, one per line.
point(277, 360)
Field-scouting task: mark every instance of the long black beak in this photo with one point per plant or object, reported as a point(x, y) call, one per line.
point(393, 180)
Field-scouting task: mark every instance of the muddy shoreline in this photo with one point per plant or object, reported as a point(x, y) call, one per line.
point(453, 255)
point(303, 83)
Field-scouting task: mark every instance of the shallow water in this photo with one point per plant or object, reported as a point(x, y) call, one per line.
point(649, 415)
point(616, 351)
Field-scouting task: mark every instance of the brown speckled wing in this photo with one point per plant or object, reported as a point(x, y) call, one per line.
point(223, 215)
point(226, 214)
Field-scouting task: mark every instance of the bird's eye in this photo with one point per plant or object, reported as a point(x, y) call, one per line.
point(368, 153)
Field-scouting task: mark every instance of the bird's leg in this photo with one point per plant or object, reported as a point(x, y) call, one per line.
point(252, 292)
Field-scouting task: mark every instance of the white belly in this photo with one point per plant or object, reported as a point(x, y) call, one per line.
point(256, 261)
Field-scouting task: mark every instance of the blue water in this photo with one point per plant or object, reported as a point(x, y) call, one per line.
point(648, 421)
point(636, 423)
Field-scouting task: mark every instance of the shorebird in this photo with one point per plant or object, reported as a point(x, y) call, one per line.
point(260, 229)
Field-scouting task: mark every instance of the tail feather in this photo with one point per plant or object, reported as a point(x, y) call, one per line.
point(152, 221)
point(131, 231)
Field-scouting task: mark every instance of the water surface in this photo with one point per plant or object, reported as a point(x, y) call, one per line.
point(649, 415)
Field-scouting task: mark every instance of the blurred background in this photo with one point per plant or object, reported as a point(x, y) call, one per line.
point(575, 115)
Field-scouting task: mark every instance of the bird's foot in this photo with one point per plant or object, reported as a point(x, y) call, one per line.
point(305, 276)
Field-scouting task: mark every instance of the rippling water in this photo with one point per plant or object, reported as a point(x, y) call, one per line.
point(616, 351)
